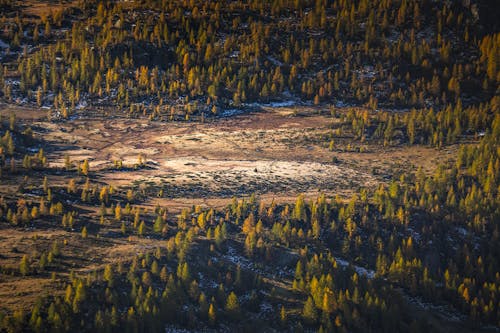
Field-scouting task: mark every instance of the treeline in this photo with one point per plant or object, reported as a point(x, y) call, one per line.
point(427, 126)
point(15, 144)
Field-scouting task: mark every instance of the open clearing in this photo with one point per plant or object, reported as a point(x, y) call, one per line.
point(275, 153)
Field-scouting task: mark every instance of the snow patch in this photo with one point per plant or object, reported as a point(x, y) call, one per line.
point(266, 307)
point(275, 61)
point(445, 311)
point(369, 273)
point(342, 104)
point(232, 112)
point(81, 105)
point(280, 104)
point(203, 282)
point(236, 259)
point(415, 235)
point(173, 329)
point(462, 231)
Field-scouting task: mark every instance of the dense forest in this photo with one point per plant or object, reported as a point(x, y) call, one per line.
point(171, 59)
point(385, 73)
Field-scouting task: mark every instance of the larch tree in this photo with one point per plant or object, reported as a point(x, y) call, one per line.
point(233, 306)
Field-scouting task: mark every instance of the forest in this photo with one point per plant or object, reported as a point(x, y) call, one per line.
point(233, 166)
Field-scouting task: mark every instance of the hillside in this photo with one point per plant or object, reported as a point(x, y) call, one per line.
point(234, 166)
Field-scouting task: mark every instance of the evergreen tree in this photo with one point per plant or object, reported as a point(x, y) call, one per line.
point(24, 266)
point(309, 312)
point(233, 306)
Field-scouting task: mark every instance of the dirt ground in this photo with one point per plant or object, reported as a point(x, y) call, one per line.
point(43, 8)
point(272, 153)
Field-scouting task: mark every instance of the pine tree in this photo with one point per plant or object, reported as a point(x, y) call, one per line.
point(211, 315)
point(24, 267)
point(80, 296)
point(158, 225)
point(316, 228)
point(85, 167)
point(299, 212)
point(84, 232)
point(164, 274)
point(249, 224)
point(118, 212)
point(233, 306)
point(283, 316)
point(146, 279)
point(12, 121)
point(108, 275)
point(68, 296)
point(142, 229)
point(309, 312)
point(185, 274)
point(39, 96)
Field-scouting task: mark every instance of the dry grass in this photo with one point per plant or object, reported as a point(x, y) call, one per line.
point(268, 152)
point(43, 8)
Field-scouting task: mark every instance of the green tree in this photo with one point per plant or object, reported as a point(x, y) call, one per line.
point(67, 162)
point(233, 306)
point(85, 167)
point(24, 266)
point(84, 232)
point(212, 315)
point(316, 228)
point(158, 225)
point(68, 296)
point(309, 312)
point(283, 316)
point(299, 211)
point(118, 212)
point(146, 279)
point(80, 296)
point(12, 121)
point(108, 275)
point(142, 229)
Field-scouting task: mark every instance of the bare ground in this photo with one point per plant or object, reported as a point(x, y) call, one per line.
point(271, 153)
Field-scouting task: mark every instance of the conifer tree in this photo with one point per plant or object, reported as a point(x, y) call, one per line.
point(233, 306)
point(309, 312)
